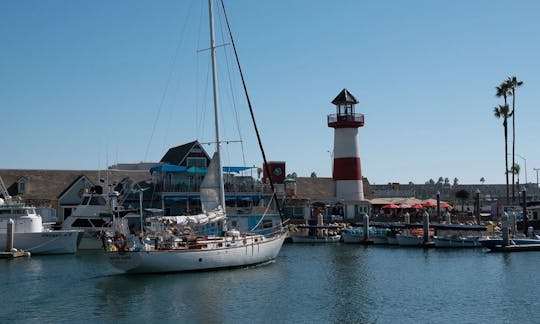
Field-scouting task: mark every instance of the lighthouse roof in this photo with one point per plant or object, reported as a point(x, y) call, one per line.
point(344, 97)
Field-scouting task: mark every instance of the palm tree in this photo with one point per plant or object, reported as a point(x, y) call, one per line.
point(512, 83)
point(515, 170)
point(462, 195)
point(502, 112)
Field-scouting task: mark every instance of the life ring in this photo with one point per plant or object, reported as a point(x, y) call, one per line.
point(120, 242)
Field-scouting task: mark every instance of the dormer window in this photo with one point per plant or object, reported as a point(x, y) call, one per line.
point(21, 186)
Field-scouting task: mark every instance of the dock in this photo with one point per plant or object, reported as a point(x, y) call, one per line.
point(515, 248)
point(13, 254)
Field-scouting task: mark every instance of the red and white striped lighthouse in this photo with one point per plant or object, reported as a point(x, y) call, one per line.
point(346, 173)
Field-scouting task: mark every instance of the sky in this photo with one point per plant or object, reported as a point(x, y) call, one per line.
point(87, 84)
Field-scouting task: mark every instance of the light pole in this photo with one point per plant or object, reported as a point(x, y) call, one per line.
point(536, 169)
point(439, 206)
point(331, 159)
point(525, 163)
point(477, 209)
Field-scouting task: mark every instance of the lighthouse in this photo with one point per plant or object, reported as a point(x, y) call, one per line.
point(347, 172)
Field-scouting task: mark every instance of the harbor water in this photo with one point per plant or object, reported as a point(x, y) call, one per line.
point(326, 283)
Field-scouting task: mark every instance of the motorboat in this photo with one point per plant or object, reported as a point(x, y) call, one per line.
point(315, 238)
point(93, 216)
point(458, 235)
point(29, 233)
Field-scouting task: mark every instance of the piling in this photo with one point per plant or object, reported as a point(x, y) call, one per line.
point(425, 221)
point(505, 236)
point(10, 235)
point(366, 228)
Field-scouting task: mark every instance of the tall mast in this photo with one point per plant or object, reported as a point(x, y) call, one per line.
point(216, 105)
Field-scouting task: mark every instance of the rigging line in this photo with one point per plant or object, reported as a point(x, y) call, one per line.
point(267, 168)
point(233, 99)
point(167, 85)
point(264, 214)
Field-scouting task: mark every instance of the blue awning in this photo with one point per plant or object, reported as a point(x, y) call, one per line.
point(235, 169)
point(168, 168)
point(196, 170)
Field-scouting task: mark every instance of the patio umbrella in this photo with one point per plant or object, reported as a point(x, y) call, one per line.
point(417, 206)
point(404, 206)
point(445, 205)
point(429, 203)
point(390, 206)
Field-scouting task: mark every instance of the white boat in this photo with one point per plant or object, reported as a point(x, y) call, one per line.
point(92, 216)
point(30, 235)
point(316, 239)
point(353, 235)
point(458, 235)
point(182, 243)
point(407, 239)
point(452, 241)
point(377, 235)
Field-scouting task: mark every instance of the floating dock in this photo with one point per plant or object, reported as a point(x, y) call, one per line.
point(515, 248)
point(13, 254)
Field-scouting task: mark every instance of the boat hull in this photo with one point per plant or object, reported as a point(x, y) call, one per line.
point(458, 242)
point(352, 238)
point(47, 242)
point(159, 261)
point(90, 243)
point(409, 240)
point(379, 240)
point(492, 242)
point(315, 239)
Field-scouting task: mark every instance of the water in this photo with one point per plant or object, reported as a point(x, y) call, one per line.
point(332, 283)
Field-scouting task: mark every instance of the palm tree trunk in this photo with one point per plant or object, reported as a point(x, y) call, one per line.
point(513, 140)
point(506, 159)
point(513, 143)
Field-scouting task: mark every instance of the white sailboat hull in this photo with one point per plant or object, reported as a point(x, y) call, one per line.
point(171, 260)
point(46, 242)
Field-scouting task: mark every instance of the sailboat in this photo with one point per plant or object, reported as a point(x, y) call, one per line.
point(194, 242)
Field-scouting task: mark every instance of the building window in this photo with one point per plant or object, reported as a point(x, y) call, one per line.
point(199, 162)
point(21, 186)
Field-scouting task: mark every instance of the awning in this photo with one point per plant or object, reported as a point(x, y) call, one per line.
point(235, 169)
point(168, 168)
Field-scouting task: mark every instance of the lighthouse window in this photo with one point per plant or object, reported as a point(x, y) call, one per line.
point(346, 109)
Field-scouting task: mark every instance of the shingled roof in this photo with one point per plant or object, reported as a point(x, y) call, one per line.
point(177, 154)
point(50, 184)
point(323, 188)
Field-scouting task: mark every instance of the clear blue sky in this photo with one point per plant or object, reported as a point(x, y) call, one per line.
point(84, 83)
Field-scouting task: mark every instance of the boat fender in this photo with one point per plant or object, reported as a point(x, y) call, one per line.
point(120, 242)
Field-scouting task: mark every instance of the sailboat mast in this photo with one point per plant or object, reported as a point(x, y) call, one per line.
point(216, 105)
